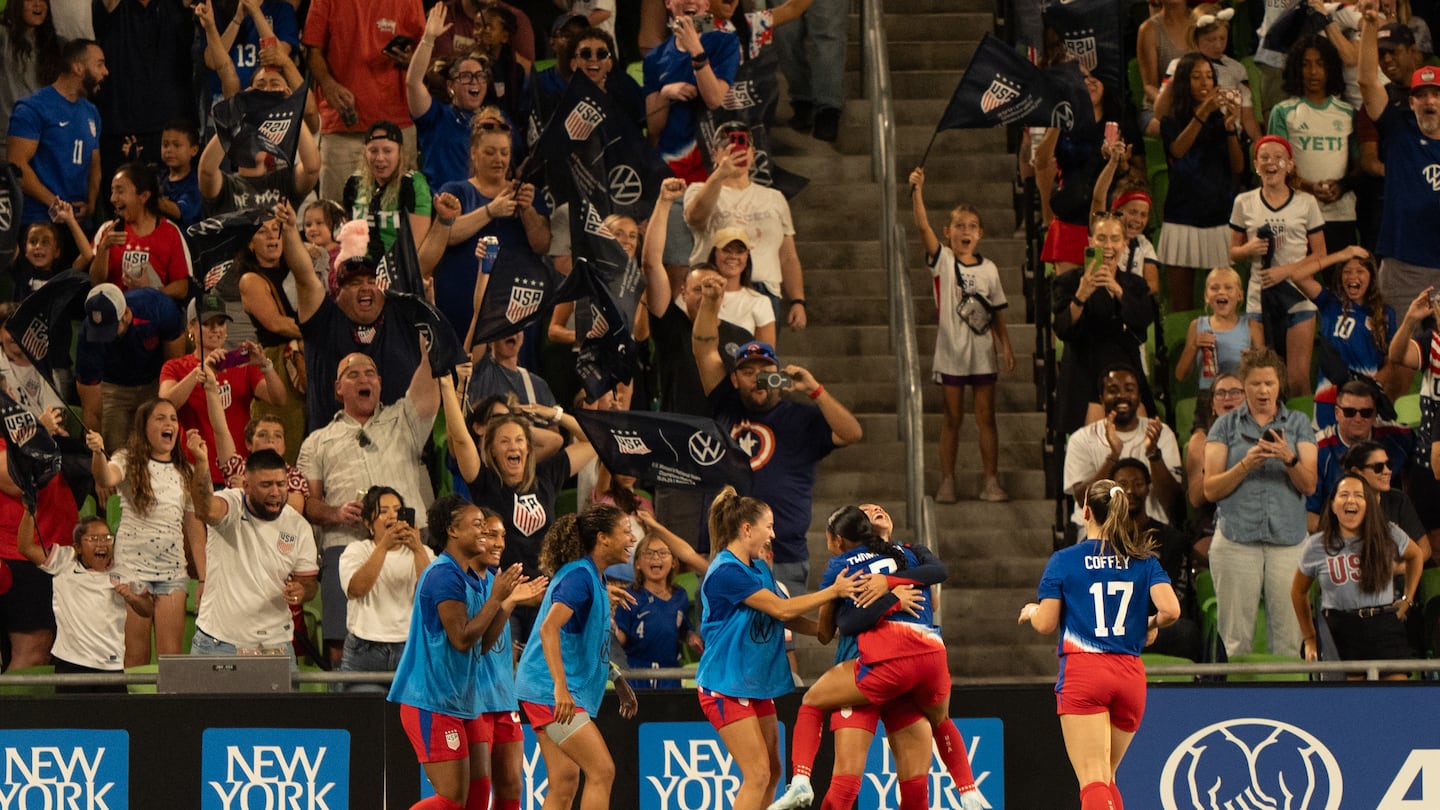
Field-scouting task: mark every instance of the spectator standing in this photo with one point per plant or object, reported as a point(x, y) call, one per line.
point(687, 70)
point(91, 595)
point(1093, 451)
point(466, 24)
point(1173, 548)
point(32, 53)
point(1356, 422)
point(443, 124)
point(784, 439)
point(261, 433)
point(51, 127)
point(158, 489)
point(147, 45)
point(730, 200)
point(499, 373)
point(1399, 59)
point(817, 88)
point(1259, 466)
point(365, 444)
point(268, 296)
point(652, 630)
point(125, 340)
point(140, 248)
point(26, 384)
point(243, 375)
point(259, 562)
point(386, 191)
point(1416, 345)
point(379, 575)
point(256, 25)
point(360, 80)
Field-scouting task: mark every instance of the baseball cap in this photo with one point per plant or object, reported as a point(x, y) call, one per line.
point(756, 350)
point(103, 307)
point(1393, 35)
point(1425, 77)
point(208, 306)
point(384, 130)
point(725, 236)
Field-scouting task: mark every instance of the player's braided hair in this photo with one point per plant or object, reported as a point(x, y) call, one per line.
point(1110, 510)
point(853, 526)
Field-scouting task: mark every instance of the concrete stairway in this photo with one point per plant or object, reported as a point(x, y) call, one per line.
point(996, 552)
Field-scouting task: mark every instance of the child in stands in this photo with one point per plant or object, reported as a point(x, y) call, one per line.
point(1219, 337)
point(1132, 203)
point(971, 301)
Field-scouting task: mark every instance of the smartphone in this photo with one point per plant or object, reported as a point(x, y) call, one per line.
point(233, 358)
point(399, 44)
point(1112, 133)
point(406, 515)
point(1094, 257)
point(1273, 435)
point(739, 140)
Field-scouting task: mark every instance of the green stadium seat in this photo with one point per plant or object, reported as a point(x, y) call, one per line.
point(1261, 658)
point(1407, 409)
point(1184, 419)
point(1158, 660)
point(1305, 405)
point(142, 688)
point(30, 690)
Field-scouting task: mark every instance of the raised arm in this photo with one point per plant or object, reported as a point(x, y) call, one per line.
point(424, 393)
point(1372, 91)
point(308, 286)
point(417, 97)
point(1403, 350)
point(657, 281)
point(705, 336)
point(922, 219)
point(457, 431)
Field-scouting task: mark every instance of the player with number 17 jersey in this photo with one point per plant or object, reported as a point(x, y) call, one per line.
point(1105, 598)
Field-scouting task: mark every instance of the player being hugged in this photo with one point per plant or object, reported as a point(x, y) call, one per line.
point(894, 659)
point(1091, 588)
point(563, 671)
point(743, 620)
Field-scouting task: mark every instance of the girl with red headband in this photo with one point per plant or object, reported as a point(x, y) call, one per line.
point(1281, 232)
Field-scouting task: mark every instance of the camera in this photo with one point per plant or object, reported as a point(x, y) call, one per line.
point(777, 380)
point(704, 23)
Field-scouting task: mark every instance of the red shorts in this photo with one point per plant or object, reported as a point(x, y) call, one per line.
point(721, 710)
point(896, 714)
point(1065, 243)
point(504, 727)
point(440, 737)
point(541, 715)
point(925, 678)
point(1091, 683)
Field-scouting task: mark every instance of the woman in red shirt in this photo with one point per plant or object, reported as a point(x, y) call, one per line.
point(140, 248)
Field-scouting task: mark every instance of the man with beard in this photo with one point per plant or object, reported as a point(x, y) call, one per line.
point(366, 444)
point(1355, 422)
point(259, 561)
point(1092, 451)
point(1399, 59)
point(358, 318)
point(785, 439)
point(1409, 242)
point(54, 136)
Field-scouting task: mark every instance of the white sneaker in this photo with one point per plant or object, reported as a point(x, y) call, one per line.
point(972, 800)
point(797, 794)
point(946, 492)
point(993, 492)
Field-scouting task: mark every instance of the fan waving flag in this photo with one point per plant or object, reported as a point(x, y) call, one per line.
point(521, 287)
point(442, 345)
point(1000, 87)
point(41, 324)
point(261, 128)
point(669, 449)
point(589, 147)
point(607, 326)
point(399, 268)
point(1090, 33)
point(31, 456)
point(215, 242)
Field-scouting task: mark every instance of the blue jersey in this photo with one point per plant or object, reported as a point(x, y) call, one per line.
point(136, 357)
point(668, 64)
point(497, 664)
point(185, 193)
point(245, 52)
point(66, 133)
point(1409, 158)
point(432, 674)
point(856, 559)
point(653, 630)
point(584, 640)
point(734, 633)
point(1347, 328)
point(1104, 598)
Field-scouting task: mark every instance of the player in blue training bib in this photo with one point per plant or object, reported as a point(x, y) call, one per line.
point(1101, 591)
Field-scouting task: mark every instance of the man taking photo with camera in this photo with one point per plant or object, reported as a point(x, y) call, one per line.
point(785, 438)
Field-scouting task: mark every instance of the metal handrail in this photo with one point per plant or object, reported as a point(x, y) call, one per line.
point(909, 399)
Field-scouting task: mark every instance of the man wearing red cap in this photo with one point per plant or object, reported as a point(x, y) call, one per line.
point(1410, 148)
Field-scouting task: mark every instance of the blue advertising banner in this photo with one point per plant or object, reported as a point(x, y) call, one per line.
point(268, 768)
point(985, 745)
point(685, 766)
point(48, 768)
point(1294, 748)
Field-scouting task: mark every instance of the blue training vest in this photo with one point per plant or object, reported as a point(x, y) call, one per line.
point(586, 654)
point(497, 665)
point(744, 649)
point(432, 674)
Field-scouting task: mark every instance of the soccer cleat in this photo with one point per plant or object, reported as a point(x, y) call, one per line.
point(972, 800)
point(797, 794)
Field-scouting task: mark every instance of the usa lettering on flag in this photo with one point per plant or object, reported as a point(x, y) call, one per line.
point(524, 302)
point(1000, 92)
point(582, 120)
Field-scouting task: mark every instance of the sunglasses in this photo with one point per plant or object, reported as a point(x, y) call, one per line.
point(1363, 413)
point(491, 125)
point(363, 439)
point(598, 54)
point(1377, 468)
point(471, 76)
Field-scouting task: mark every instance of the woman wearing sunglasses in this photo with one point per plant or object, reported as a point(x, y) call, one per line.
point(1371, 461)
point(593, 54)
point(444, 128)
point(491, 204)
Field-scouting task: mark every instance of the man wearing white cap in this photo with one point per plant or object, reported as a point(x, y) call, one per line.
point(125, 339)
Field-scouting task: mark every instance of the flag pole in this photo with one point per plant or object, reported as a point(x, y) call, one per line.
point(926, 155)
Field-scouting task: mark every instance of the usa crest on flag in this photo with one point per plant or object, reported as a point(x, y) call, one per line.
point(1001, 91)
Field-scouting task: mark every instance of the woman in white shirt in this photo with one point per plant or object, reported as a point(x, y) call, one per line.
point(379, 576)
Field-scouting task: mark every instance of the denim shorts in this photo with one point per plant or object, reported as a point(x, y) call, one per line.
point(205, 644)
point(369, 656)
point(163, 587)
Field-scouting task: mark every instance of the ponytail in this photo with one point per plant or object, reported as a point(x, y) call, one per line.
point(853, 526)
point(1110, 508)
point(729, 511)
point(573, 536)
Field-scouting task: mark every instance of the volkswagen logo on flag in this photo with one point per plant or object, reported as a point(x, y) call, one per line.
point(705, 449)
point(625, 186)
point(1002, 91)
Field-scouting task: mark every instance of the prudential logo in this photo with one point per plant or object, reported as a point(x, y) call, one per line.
point(1251, 762)
point(272, 768)
point(47, 769)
